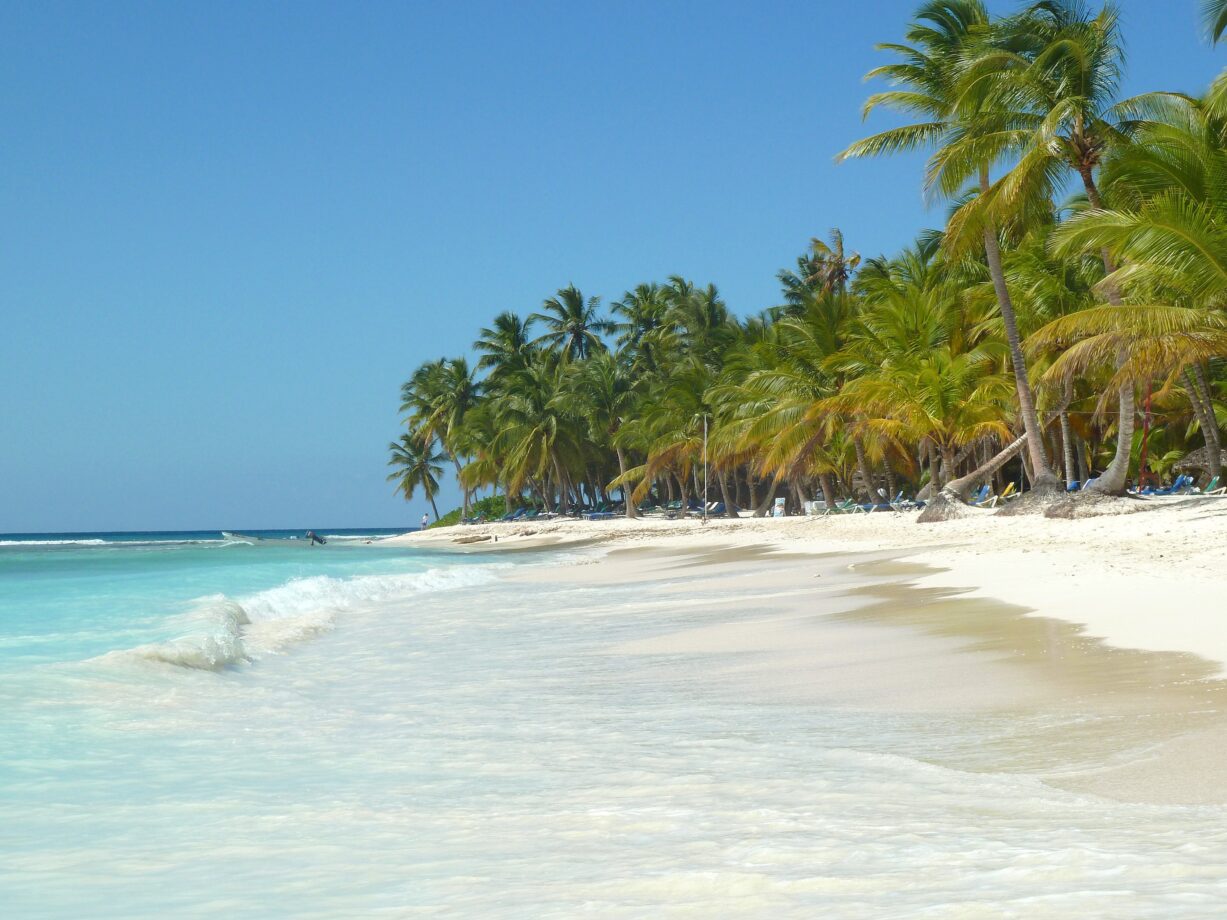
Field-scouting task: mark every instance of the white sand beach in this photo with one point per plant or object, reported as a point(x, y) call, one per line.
point(1149, 580)
point(960, 617)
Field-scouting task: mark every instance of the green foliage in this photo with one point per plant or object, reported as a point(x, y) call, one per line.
point(1024, 314)
point(492, 506)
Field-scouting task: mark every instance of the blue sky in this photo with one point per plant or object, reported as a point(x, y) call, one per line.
point(230, 230)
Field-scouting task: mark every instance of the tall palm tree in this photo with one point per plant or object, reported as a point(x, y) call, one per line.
point(929, 81)
point(573, 325)
point(1052, 77)
point(417, 466)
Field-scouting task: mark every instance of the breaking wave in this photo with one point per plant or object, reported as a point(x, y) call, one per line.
point(218, 631)
point(88, 542)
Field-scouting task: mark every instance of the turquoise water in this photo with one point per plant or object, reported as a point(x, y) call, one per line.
point(69, 597)
point(200, 730)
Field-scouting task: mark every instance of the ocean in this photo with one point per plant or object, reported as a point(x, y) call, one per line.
point(195, 728)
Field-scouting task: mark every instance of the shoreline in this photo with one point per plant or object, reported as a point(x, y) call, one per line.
point(1149, 580)
point(1110, 619)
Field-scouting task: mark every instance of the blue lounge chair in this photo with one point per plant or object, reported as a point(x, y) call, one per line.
point(980, 498)
point(1182, 482)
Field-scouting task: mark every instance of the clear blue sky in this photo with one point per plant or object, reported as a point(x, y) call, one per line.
point(230, 230)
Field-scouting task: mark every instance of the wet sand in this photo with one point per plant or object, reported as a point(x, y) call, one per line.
point(865, 631)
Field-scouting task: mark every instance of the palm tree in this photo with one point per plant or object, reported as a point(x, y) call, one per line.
point(1169, 233)
point(537, 437)
point(573, 326)
point(437, 398)
point(1052, 78)
point(966, 138)
point(602, 391)
point(1214, 15)
point(505, 344)
point(417, 466)
point(641, 310)
point(831, 269)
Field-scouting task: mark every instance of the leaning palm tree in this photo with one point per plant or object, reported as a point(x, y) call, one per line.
point(966, 135)
point(1051, 80)
point(417, 466)
point(573, 326)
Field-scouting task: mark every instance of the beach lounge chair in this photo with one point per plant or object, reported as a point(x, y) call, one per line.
point(1006, 494)
point(981, 497)
point(847, 506)
point(1212, 488)
point(906, 504)
point(1180, 485)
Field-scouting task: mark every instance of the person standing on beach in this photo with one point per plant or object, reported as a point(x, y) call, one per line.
point(425, 521)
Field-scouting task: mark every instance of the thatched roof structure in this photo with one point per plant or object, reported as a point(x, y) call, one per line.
point(1197, 461)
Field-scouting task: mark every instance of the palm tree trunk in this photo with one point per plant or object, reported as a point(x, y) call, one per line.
point(949, 465)
point(1067, 449)
point(465, 503)
point(729, 504)
point(1114, 479)
point(1203, 406)
point(433, 506)
point(1116, 476)
point(863, 466)
point(954, 494)
point(561, 483)
point(631, 510)
point(761, 510)
point(828, 488)
point(1044, 478)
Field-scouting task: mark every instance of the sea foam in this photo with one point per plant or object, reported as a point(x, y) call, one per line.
point(218, 631)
